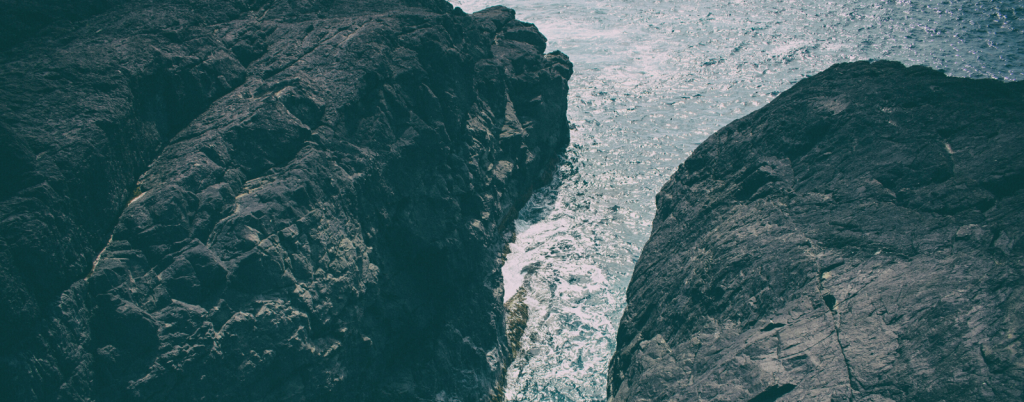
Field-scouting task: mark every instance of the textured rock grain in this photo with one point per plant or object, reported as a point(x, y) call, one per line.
point(265, 200)
point(857, 239)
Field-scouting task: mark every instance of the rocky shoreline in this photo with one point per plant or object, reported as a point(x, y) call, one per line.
point(266, 200)
point(269, 200)
point(857, 239)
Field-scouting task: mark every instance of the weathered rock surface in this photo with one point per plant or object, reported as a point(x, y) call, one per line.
point(264, 200)
point(857, 239)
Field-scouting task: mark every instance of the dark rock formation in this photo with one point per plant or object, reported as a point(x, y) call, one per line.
point(857, 239)
point(264, 200)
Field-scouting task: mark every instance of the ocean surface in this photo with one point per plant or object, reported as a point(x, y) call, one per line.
point(653, 79)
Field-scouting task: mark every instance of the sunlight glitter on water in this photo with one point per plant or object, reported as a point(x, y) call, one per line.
point(654, 78)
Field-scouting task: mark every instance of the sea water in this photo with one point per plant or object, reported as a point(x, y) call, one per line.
point(654, 78)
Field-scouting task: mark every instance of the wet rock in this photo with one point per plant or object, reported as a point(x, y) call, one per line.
point(265, 200)
point(857, 239)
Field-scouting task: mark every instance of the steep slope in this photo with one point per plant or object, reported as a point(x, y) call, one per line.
point(266, 200)
point(857, 239)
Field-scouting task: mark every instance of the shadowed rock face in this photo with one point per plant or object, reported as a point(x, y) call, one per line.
point(858, 239)
point(265, 200)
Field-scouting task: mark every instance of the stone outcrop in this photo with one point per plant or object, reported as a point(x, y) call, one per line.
point(857, 239)
point(264, 200)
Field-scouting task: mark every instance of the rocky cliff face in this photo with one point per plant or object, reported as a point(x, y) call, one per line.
point(265, 200)
point(858, 239)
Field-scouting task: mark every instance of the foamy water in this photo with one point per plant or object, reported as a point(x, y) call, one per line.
point(655, 78)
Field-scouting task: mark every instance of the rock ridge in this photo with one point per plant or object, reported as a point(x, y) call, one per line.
point(265, 200)
point(857, 239)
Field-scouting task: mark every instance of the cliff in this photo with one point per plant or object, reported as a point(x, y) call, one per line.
point(857, 239)
point(264, 200)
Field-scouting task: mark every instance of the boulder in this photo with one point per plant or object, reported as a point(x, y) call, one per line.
point(857, 239)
